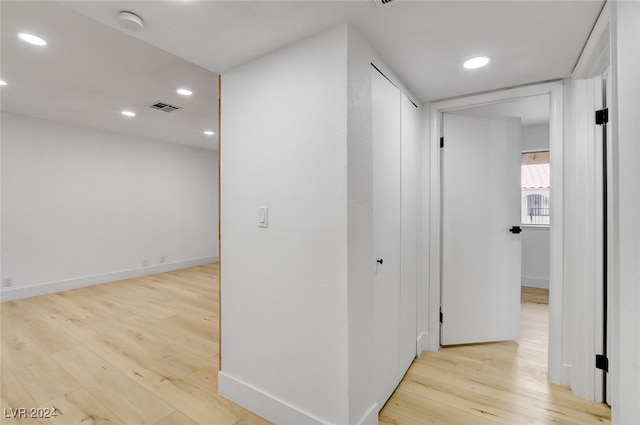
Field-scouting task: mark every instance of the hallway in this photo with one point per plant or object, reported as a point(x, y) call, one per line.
point(499, 383)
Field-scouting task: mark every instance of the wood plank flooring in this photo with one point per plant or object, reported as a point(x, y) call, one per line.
point(534, 295)
point(140, 351)
point(145, 351)
point(488, 384)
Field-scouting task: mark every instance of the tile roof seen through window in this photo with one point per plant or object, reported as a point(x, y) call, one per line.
point(535, 176)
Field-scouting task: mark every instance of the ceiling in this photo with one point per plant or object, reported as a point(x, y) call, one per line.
point(92, 68)
point(88, 73)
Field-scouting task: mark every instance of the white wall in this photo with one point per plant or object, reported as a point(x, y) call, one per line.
point(535, 257)
point(81, 206)
point(626, 176)
point(297, 297)
point(360, 224)
point(535, 137)
point(425, 314)
point(285, 288)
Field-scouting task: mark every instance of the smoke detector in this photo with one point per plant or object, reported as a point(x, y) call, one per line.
point(130, 21)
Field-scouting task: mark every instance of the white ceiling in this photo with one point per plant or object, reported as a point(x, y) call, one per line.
point(92, 68)
point(88, 73)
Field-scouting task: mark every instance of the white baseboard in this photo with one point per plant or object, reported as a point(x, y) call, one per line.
point(262, 403)
point(423, 342)
point(10, 294)
point(274, 409)
point(371, 416)
point(535, 282)
point(566, 375)
point(433, 340)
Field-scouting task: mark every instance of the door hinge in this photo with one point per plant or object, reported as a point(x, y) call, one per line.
point(602, 116)
point(441, 316)
point(602, 362)
point(442, 142)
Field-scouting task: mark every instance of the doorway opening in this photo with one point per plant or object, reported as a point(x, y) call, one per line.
point(551, 94)
point(532, 173)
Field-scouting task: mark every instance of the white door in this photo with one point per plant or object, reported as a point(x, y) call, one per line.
point(410, 195)
point(480, 254)
point(386, 233)
point(591, 246)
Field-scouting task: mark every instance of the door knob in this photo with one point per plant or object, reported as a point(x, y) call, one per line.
point(515, 229)
point(379, 261)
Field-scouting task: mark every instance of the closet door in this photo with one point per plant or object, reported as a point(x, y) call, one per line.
point(386, 234)
point(410, 195)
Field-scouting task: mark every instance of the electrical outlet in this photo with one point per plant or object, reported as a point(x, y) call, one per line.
point(145, 263)
point(8, 281)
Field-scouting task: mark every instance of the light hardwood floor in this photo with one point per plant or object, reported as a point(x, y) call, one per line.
point(488, 384)
point(141, 351)
point(534, 295)
point(145, 351)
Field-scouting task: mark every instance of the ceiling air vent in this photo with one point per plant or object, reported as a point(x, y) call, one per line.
point(161, 106)
point(383, 3)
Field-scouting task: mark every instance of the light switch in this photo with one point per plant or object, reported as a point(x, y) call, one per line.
point(263, 217)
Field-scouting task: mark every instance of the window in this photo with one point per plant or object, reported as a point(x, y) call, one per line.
point(536, 188)
point(537, 209)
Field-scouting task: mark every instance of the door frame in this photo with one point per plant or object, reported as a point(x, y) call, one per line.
point(595, 61)
point(555, 91)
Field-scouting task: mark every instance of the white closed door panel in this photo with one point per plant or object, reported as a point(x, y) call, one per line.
point(480, 255)
point(410, 195)
point(386, 233)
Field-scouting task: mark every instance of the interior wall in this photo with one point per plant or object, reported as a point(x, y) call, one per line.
point(285, 287)
point(424, 246)
point(535, 257)
point(301, 289)
point(535, 137)
point(626, 209)
point(360, 222)
point(82, 206)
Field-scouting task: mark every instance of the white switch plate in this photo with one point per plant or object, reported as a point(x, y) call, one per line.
point(263, 217)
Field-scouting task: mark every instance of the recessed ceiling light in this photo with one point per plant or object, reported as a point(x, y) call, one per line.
point(184, 92)
point(33, 39)
point(477, 62)
point(209, 133)
point(128, 113)
point(3, 83)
